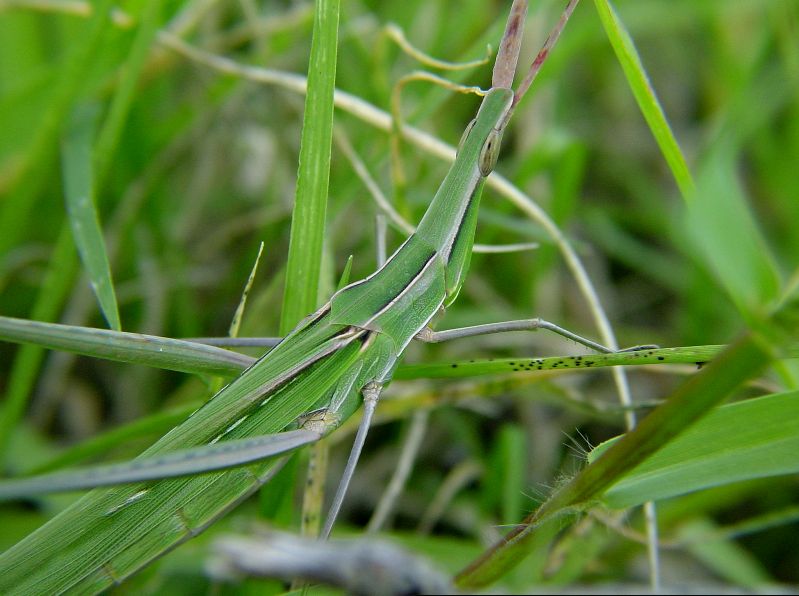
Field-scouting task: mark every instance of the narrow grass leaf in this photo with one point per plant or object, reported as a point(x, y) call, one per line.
point(182, 462)
point(725, 557)
point(755, 438)
point(645, 95)
point(76, 159)
point(99, 446)
point(32, 175)
point(124, 94)
point(511, 453)
point(345, 275)
point(237, 316)
point(119, 346)
point(308, 219)
point(22, 377)
point(728, 241)
point(697, 355)
point(306, 242)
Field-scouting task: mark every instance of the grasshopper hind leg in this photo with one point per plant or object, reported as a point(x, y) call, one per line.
point(427, 335)
point(371, 393)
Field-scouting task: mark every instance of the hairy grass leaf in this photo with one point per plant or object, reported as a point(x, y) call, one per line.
point(754, 438)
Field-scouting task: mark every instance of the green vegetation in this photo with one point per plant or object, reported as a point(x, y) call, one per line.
point(148, 150)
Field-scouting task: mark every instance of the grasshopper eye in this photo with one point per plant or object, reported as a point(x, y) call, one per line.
point(490, 152)
point(465, 135)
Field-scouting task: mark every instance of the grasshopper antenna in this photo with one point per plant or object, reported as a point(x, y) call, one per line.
point(551, 40)
point(509, 47)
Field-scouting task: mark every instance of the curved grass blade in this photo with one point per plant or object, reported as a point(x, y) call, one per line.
point(728, 241)
point(235, 324)
point(76, 161)
point(645, 96)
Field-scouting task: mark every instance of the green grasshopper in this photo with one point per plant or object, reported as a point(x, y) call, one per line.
point(335, 359)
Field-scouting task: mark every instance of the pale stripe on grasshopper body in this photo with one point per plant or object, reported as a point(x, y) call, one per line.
point(351, 344)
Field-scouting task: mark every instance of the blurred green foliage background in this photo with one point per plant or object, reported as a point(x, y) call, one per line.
point(193, 169)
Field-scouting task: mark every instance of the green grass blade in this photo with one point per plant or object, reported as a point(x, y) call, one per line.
point(510, 461)
point(32, 174)
point(160, 352)
point(729, 242)
point(304, 261)
point(235, 324)
point(698, 355)
point(99, 446)
point(725, 557)
point(22, 377)
point(182, 462)
point(345, 275)
point(76, 159)
point(308, 220)
point(111, 131)
point(645, 95)
point(749, 439)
